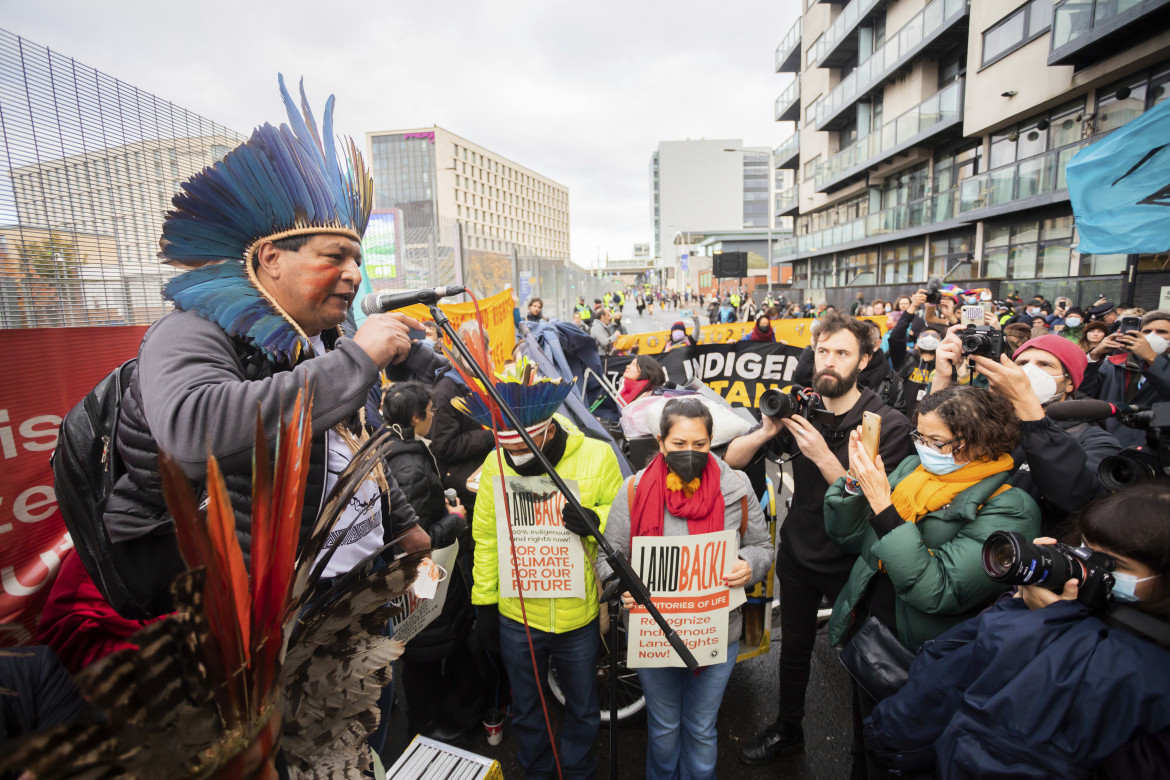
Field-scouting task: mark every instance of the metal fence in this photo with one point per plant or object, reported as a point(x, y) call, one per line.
point(90, 165)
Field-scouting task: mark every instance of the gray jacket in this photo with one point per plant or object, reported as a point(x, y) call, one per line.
point(601, 333)
point(755, 546)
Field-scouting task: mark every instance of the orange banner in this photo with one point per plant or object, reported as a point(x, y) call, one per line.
point(496, 311)
point(795, 333)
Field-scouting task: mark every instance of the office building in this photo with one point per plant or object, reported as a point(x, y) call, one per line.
point(91, 165)
point(702, 187)
point(930, 138)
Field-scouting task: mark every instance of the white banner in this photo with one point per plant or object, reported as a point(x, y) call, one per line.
point(551, 558)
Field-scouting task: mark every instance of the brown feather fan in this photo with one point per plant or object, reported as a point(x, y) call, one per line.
point(242, 652)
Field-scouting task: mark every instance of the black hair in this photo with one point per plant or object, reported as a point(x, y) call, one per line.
point(292, 243)
point(1134, 522)
point(535, 300)
point(831, 323)
point(983, 423)
point(685, 408)
point(403, 402)
point(649, 368)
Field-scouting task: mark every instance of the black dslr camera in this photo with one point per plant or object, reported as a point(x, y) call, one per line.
point(1013, 560)
point(1136, 464)
point(982, 340)
point(797, 402)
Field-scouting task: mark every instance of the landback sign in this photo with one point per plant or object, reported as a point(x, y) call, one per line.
point(685, 577)
point(740, 371)
point(550, 557)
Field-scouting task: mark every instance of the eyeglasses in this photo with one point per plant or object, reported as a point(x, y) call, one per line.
point(937, 446)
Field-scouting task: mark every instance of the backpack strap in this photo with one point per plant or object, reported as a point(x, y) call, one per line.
point(743, 515)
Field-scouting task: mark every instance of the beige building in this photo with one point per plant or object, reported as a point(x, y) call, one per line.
point(433, 175)
point(930, 138)
point(97, 217)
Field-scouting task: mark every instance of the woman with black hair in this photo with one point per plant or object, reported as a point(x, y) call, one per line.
point(1043, 685)
point(688, 490)
point(642, 375)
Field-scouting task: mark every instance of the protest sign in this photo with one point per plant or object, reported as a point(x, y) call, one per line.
point(551, 558)
point(740, 371)
point(796, 333)
point(419, 613)
point(496, 311)
point(685, 577)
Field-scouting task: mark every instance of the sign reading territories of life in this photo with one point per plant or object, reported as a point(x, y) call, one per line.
point(685, 578)
point(550, 557)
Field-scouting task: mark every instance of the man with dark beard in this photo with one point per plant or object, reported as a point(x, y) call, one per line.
point(809, 565)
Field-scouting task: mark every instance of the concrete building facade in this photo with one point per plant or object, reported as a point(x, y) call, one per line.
point(930, 139)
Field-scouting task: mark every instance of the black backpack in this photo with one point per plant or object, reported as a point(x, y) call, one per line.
point(86, 465)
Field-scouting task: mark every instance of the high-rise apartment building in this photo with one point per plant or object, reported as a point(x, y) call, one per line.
point(931, 138)
point(432, 174)
point(699, 187)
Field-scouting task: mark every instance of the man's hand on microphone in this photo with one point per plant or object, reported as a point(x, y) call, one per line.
point(386, 337)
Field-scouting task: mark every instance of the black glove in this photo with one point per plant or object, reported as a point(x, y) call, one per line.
point(487, 627)
point(576, 523)
point(444, 532)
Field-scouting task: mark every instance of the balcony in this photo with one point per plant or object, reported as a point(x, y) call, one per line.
point(787, 201)
point(940, 111)
point(838, 44)
point(788, 104)
point(934, 27)
point(787, 154)
point(1087, 31)
point(788, 52)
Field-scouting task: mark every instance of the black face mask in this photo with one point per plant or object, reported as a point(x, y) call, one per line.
point(687, 464)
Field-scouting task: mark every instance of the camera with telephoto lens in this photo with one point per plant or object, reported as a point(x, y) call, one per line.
point(797, 402)
point(1011, 559)
point(1137, 464)
point(982, 340)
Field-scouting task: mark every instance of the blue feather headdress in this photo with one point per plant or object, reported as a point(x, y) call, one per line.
point(279, 183)
point(533, 400)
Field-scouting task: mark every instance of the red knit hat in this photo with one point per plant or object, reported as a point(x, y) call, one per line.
point(1067, 352)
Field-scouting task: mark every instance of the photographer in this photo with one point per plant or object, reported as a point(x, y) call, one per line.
point(1043, 685)
point(1138, 374)
point(916, 368)
point(1056, 462)
point(809, 565)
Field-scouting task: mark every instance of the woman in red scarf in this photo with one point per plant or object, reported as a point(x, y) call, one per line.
point(763, 330)
point(642, 375)
point(687, 490)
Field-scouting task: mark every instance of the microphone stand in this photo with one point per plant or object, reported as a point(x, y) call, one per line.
point(617, 562)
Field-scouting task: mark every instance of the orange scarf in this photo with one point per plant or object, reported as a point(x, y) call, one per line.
point(920, 492)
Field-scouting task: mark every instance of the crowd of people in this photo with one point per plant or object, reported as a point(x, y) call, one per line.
point(1001, 679)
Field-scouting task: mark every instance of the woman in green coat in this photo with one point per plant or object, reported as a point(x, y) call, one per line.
point(919, 533)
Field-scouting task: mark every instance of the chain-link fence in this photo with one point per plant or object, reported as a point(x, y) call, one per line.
point(90, 165)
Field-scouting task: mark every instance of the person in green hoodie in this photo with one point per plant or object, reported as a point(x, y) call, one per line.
point(1074, 325)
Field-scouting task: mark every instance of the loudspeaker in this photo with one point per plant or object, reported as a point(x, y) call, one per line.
point(729, 265)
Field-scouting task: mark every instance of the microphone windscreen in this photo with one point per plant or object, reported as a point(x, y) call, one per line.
point(370, 304)
point(1083, 409)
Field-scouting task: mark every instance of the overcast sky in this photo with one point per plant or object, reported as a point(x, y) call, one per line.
point(580, 92)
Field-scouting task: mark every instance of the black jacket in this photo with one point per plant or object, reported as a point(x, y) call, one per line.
point(1056, 463)
point(879, 377)
point(803, 531)
point(459, 443)
point(1118, 385)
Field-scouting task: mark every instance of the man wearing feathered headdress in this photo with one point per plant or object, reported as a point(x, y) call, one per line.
point(564, 630)
point(272, 237)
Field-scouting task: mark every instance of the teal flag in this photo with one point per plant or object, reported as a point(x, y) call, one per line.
point(364, 289)
point(1120, 188)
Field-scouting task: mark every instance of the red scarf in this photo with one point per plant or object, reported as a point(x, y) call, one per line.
point(759, 335)
point(632, 388)
point(703, 510)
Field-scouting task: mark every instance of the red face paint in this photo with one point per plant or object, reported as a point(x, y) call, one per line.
point(318, 280)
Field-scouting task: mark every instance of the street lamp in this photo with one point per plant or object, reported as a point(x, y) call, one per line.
point(771, 203)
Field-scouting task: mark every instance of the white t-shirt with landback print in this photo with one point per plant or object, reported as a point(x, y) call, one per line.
point(358, 531)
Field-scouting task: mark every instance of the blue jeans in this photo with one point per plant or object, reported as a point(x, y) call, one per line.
point(575, 656)
point(680, 712)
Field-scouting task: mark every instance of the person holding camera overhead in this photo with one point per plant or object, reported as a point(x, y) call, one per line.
point(811, 566)
point(1051, 683)
point(919, 532)
point(1136, 373)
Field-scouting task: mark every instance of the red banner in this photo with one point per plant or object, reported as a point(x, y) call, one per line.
point(49, 371)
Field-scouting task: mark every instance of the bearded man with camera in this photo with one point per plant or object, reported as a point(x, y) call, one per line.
point(813, 432)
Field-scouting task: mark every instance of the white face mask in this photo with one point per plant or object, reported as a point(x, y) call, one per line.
point(1043, 383)
point(520, 460)
point(1073, 322)
point(1157, 343)
point(928, 343)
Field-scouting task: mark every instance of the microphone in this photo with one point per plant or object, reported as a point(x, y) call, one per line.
point(380, 303)
point(1087, 409)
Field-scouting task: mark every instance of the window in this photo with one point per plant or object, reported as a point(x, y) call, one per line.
point(1118, 103)
point(1028, 250)
point(1019, 27)
point(950, 258)
point(810, 167)
point(903, 264)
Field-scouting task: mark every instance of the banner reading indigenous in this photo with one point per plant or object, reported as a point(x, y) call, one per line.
point(50, 369)
point(551, 559)
point(740, 371)
point(496, 311)
point(419, 613)
point(685, 577)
